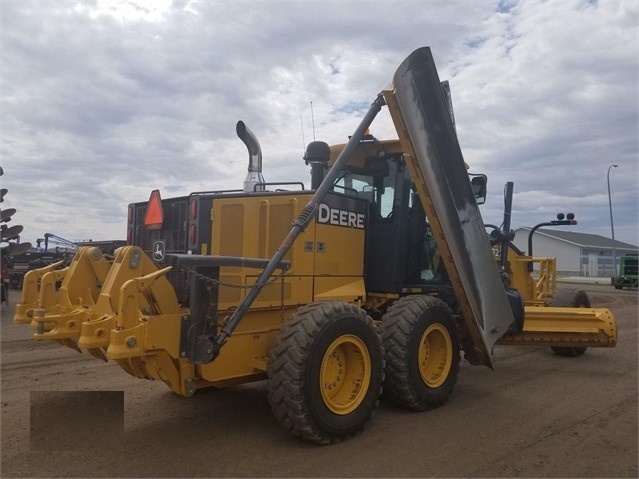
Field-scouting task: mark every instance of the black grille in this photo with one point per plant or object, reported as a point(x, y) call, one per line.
point(174, 233)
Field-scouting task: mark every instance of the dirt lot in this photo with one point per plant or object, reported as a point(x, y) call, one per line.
point(536, 415)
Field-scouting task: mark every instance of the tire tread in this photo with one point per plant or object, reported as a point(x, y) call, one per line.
point(397, 326)
point(287, 365)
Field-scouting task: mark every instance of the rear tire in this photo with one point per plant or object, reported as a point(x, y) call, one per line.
point(570, 298)
point(325, 372)
point(421, 344)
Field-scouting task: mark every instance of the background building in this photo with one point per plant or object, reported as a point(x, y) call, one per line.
point(580, 254)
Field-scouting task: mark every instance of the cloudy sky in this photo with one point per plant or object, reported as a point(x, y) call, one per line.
point(103, 101)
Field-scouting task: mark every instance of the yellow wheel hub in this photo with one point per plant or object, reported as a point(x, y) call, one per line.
point(435, 355)
point(345, 374)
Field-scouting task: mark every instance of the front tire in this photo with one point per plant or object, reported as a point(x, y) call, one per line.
point(325, 372)
point(421, 344)
point(570, 298)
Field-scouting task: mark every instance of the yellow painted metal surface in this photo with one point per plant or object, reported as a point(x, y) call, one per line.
point(339, 251)
point(84, 320)
point(349, 288)
point(253, 227)
point(345, 374)
point(127, 310)
point(61, 312)
point(256, 226)
point(30, 293)
point(435, 355)
point(588, 327)
point(537, 290)
point(48, 295)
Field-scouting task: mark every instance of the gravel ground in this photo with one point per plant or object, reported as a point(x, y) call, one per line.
point(536, 415)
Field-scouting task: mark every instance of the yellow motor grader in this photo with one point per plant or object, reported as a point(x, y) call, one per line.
point(378, 276)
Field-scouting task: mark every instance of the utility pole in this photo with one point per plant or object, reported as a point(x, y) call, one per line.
point(614, 256)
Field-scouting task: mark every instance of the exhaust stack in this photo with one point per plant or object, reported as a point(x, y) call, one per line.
point(317, 154)
point(254, 176)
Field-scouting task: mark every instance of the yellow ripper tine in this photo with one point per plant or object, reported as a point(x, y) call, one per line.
point(98, 354)
point(29, 296)
point(60, 312)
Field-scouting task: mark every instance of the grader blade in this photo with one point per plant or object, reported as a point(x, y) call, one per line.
point(565, 327)
point(422, 119)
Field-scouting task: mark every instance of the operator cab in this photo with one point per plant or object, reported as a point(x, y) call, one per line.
point(401, 254)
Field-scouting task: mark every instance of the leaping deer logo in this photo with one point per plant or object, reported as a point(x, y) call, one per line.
point(158, 251)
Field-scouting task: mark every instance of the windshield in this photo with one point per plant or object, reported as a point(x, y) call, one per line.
point(377, 186)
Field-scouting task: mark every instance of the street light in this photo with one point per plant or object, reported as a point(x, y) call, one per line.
point(614, 256)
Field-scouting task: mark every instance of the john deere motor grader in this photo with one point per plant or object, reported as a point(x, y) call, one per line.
point(378, 276)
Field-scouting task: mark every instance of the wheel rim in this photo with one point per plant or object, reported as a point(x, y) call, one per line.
point(435, 355)
point(345, 374)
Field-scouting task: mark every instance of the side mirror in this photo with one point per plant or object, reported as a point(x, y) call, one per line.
point(479, 182)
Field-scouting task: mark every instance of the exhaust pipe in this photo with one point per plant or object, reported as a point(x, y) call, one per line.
point(317, 154)
point(254, 176)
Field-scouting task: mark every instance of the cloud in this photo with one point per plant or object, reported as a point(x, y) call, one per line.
point(104, 101)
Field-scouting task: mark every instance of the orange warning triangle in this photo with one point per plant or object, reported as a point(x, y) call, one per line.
point(154, 215)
